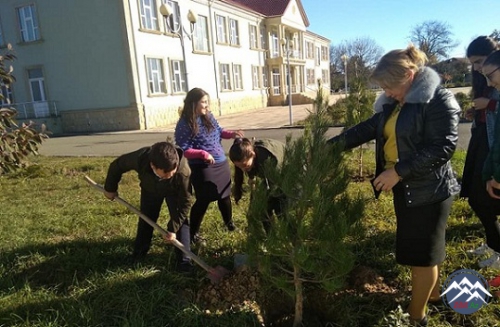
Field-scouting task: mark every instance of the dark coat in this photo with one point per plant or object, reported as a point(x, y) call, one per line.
point(427, 135)
point(178, 186)
point(266, 150)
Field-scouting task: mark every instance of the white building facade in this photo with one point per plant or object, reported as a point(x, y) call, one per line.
point(93, 65)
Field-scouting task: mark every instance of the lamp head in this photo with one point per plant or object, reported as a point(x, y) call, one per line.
point(191, 17)
point(166, 10)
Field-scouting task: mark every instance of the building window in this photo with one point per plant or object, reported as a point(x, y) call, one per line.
point(156, 80)
point(265, 83)
point(276, 81)
point(318, 56)
point(38, 95)
point(253, 37)
point(28, 23)
point(201, 42)
point(238, 80)
point(225, 77)
point(324, 76)
point(310, 76)
point(6, 97)
point(172, 22)
point(263, 43)
point(234, 38)
point(178, 74)
point(324, 53)
point(221, 29)
point(275, 44)
point(310, 50)
point(255, 77)
point(149, 18)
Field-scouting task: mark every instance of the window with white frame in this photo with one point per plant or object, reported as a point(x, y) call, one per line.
point(310, 76)
point(234, 38)
point(263, 43)
point(6, 93)
point(201, 41)
point(275, 44)
point(265, 83)
point(172, 22)
point(156, 80)
point(255, 77)
point(309, 50)
point(178, 76)
point(28, 23)
point(221, 29)
point(325, 76)
point(324, 53)
point(237, 78)
point(318, 56)
point(225, 77)
point(149, 17)
point(276, 81)
point(253, 37)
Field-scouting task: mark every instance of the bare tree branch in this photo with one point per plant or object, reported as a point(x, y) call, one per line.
point(434, 38)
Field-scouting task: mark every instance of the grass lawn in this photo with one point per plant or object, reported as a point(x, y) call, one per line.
point(64, 251)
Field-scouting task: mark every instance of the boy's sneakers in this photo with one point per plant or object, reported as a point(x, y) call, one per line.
point(492, 262)
point(230, 226)
point(198, 240)
point(481, 250)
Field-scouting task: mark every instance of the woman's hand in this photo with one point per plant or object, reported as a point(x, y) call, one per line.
point(469, 114)
point(493, 186)
point(386, 180)
point(210, 159)
point(238, 134)
point(480, 103)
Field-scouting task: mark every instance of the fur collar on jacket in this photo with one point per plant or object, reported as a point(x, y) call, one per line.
point(421, 91)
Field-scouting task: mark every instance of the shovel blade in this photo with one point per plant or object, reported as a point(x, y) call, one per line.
point(217, 274)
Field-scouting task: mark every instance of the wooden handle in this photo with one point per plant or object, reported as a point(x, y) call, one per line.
point(148, 220)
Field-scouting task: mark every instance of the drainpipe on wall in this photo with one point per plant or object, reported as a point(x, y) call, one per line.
point(213, 57)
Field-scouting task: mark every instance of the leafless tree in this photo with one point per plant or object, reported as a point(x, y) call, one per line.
point(434, 38)
point(362, 55)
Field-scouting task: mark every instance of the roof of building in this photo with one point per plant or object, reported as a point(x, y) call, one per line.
point(268, 8)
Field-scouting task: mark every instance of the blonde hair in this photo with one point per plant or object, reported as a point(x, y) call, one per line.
point(393, 67)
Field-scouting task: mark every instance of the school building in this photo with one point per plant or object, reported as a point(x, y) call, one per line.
point(114, 65)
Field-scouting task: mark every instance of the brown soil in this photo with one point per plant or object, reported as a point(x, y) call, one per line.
point(242, 291)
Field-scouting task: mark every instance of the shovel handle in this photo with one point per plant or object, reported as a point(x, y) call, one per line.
point(148, 220)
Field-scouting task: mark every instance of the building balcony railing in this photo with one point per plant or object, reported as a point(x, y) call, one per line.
point(36, 109)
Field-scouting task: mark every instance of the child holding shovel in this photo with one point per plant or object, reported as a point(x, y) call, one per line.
point(164, 176)
point(251, 158)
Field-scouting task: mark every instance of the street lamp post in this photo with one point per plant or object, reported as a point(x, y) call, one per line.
point(344, 59)
point(286, 45)
point(166, 12)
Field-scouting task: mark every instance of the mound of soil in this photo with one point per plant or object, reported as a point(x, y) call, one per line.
point(237, 291)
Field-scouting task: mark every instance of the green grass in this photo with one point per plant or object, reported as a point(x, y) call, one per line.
point(64, 250)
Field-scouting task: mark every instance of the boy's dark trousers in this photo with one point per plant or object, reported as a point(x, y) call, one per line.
point(151, 207)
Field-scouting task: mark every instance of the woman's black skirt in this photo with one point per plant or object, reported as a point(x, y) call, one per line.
point(211, 182)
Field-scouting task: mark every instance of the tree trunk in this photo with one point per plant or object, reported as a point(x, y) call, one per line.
point(360, 161)
point(298, 297)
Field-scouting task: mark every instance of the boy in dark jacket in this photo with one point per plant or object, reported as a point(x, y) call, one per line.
point(251, 157)
point(164, 176)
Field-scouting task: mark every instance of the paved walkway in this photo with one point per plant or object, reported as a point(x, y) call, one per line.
point(264, 118)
